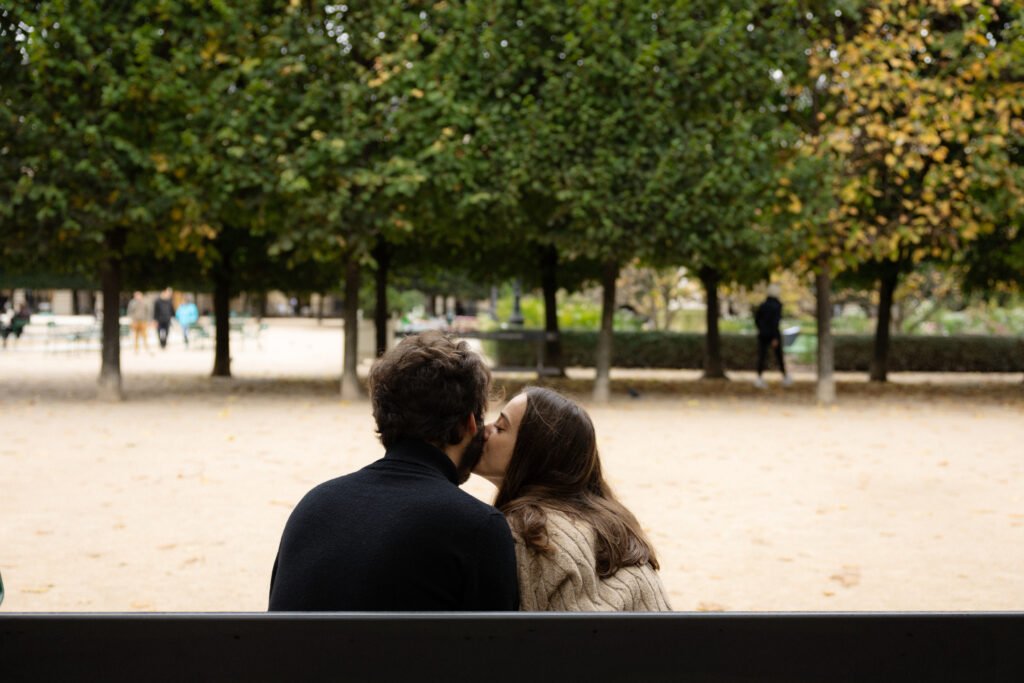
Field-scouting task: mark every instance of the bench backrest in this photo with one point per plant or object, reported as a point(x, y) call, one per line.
point(514, 647)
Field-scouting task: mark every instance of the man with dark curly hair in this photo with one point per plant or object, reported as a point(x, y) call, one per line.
point(399, 534)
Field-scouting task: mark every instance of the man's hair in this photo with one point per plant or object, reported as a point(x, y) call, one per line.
point(425, 387)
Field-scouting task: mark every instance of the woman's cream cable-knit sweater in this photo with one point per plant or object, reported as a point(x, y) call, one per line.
point(565, 579)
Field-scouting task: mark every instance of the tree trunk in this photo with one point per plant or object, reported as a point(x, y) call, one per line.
point(826, 347)
point(110, 277)
point(431, 305)
point(880, 359)
point(262, 307)
point(382, 254)
point(602, 382)
point(713, 368)
point(549, 282)
point(76, 309)
point(320, 308)
point(350, 389)
point(221, 314)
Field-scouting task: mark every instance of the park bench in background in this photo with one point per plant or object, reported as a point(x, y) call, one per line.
point(81, 334)
point(244, 327)
point(249, 328)
point(198, 336)
point(822, 647)
point(536, 338)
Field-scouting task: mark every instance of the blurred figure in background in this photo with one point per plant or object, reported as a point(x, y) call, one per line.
point(163, 313)
point(767, 318)
point(138, 312)
point(187, 315)
point(14, 323)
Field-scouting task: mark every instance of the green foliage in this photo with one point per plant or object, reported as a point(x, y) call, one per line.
point(935, 354)
point(364, 152)
point(739, 352)
point(636, 350)
point(96, 94)
point(574, 313)
point(916, 118)
point(285, 137)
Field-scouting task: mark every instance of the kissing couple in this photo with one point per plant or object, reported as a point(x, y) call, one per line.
point(400, 535)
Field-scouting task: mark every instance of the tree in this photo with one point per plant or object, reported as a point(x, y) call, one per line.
point(507, 70)
point(723, 162)
point(364, 106)
point(920, 110)
point(223, 151)
point(95, 94)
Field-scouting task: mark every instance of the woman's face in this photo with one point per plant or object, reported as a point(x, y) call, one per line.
point(500, 439)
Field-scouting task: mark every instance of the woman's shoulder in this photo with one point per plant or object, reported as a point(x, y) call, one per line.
point(567, 537)
point(564, 524)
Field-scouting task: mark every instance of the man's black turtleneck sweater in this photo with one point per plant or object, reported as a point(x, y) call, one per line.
point(398, 535)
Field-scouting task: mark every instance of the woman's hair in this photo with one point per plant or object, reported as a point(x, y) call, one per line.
point(555, 464)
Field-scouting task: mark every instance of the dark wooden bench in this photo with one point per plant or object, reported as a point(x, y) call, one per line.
point(869, 647)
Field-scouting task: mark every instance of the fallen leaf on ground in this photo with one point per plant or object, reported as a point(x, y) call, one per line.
point(848, 577)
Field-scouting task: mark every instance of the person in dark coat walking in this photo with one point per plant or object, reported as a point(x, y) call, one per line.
point(768, 317)
point(399, 534)
point(163, 313)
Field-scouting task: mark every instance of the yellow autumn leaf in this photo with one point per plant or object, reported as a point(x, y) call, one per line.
point(940, 154)
point(160, 161)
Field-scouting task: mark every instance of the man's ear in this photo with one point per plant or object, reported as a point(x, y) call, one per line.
point(470, 426)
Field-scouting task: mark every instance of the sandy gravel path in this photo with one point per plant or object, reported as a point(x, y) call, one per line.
point(910, 498)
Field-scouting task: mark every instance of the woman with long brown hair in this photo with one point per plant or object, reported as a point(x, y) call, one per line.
point(577, 547)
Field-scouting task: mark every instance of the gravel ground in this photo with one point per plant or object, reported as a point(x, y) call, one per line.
point(903, 497)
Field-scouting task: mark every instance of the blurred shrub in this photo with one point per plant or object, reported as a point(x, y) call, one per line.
point(739, 352)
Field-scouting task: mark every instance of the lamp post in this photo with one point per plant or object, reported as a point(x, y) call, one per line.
point(517, 313)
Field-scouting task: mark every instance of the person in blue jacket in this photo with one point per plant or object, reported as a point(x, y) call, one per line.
point(187, 315)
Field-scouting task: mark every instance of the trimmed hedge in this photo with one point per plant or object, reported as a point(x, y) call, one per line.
point(965, 353)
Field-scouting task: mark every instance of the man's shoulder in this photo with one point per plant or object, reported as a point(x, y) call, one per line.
point(440, 497)
point(333, 488)
point(327, 495)
point(473, 506)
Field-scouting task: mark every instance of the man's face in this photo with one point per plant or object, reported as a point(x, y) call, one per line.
point(471, 456)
